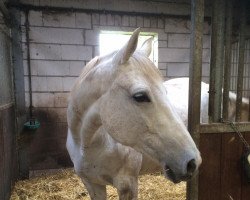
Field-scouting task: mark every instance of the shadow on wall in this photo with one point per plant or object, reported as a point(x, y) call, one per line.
point(46, 146)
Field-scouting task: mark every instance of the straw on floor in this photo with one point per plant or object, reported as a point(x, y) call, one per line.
point(65, 185)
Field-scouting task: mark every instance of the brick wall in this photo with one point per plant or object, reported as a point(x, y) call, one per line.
point(60, 46)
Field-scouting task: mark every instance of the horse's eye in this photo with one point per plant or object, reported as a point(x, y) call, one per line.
point(141, 97)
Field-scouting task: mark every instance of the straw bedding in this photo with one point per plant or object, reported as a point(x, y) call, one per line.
point(65, 185)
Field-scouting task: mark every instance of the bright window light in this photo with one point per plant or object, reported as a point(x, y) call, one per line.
point(114, 40)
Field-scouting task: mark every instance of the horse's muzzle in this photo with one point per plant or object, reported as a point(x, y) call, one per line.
point(175, 177)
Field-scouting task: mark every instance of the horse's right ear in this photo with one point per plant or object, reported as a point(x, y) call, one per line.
point(123, 55)
point(146, 47)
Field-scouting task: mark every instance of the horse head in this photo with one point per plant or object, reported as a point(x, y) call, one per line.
point(136, 112)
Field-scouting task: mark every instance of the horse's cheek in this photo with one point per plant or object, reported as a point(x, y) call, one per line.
point(120, 122)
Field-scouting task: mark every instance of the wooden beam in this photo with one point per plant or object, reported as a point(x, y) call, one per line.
point(224, 128)
point(197, 21)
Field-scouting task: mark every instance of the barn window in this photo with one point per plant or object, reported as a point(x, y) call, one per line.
point(113, 40)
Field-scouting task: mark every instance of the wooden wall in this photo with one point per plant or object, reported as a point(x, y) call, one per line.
point(8, 152)
point(221, 175)
point(8, 134)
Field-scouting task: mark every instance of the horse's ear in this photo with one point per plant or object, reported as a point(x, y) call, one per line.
point(124, 53)
point(146, 47)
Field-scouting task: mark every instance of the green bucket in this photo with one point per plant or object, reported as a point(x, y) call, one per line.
point(32, 125)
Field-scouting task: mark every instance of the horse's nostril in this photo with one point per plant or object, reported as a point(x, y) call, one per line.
point(191, 167)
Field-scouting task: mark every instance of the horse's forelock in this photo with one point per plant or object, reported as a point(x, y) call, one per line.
point(146, 66)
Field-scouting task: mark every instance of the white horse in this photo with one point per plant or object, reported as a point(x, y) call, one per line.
point(121, 124)
point(178, 95)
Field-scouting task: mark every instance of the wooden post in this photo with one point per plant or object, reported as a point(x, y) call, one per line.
point(197, 20)
point(217, 55)
point(20, 110)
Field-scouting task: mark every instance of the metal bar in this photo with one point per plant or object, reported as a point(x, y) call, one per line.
point(28, 61)
point(197, 20)
point(247, 32)
point(212, 65)
point(248, 72)
point(241, 60)
point(24, 7)
point(224, 128)
point(217, 52)
point(249, 109)
point(228, 52)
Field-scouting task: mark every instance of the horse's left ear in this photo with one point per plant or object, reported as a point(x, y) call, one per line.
point(146, 47)
point(123, 55)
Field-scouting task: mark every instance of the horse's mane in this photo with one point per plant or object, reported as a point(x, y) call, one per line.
point(89, 66)
point(93, 64)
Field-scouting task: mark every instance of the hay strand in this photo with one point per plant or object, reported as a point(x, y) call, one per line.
point(66, 185)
